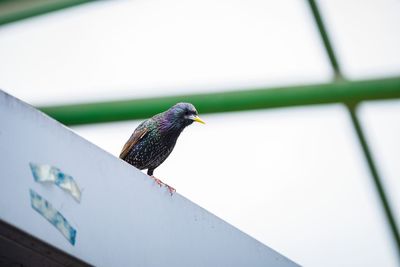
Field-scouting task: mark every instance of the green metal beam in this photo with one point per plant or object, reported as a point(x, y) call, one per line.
point(339, 92)
point(16, 10)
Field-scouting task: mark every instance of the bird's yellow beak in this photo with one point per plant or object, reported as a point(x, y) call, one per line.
point(197, 118)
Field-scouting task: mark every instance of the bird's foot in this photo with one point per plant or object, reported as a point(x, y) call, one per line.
point(158, 181)
point(170, 189)
point(161, 183)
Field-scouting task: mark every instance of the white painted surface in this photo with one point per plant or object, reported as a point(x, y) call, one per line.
point(124, 219)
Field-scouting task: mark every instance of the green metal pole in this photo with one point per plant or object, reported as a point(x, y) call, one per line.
point(358, 129)
point(262, 98)
point(16, 10)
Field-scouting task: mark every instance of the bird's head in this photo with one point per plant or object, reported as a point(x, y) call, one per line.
point(185, 114)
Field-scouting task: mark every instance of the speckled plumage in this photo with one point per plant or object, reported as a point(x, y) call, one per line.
point(155, 138)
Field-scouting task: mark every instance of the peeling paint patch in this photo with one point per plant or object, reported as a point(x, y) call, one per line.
point(44, 208)
point(44, 173)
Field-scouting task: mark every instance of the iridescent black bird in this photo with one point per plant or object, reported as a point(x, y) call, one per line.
point(154, 139)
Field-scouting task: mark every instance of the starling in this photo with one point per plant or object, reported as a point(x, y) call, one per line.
point(154, 139)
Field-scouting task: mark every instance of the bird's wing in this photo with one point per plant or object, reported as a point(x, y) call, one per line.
point(135, 137)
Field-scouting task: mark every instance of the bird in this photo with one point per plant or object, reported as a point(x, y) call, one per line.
point(154, 139)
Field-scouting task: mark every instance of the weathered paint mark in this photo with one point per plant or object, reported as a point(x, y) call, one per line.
point(44, 173)
point(44, 208)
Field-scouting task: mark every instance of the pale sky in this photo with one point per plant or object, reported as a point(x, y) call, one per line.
point(294, 178)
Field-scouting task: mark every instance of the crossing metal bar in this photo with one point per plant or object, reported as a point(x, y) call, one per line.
point(325, 39)
point(13, 10)
point(374, 171)
point(377, 180)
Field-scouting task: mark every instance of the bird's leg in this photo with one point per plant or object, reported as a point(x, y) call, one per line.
point(150, 173)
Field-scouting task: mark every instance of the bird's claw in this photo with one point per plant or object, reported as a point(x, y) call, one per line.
point(170, 189)
point(161, 183)
point(158, 181)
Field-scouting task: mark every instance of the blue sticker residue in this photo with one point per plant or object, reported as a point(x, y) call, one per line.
point(44, 173)
point(44, 208)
